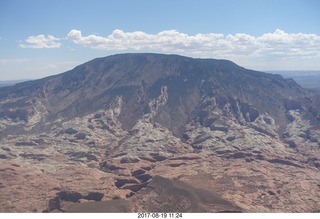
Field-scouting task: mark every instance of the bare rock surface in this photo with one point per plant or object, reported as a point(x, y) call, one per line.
point(152, 132)
point(164, 195)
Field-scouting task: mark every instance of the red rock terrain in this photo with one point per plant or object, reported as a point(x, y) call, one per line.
point(150, 133)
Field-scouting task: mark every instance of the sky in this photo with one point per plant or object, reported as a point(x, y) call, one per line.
point(39, 38)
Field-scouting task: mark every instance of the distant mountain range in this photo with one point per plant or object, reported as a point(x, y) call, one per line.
point(159, 133)
point(307, 79)
point(10, 82)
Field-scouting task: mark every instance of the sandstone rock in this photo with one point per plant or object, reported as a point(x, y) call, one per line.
point(25, 143)
point(109, 167)
point(143, 177)
point(70, 131)
point(175, 196)
point(80, 154)
point(38, 157)
point(122, 181)
point(54, 204)
point(222, 138)
point(110, 206)
point(80, 136)
point(96, 196)
point(69, 196)
point(129, 160)
point(186, 157)
point(3, 156)
point(135, 187)
point(285, 162)
point(176, 164)
point(5, 149)
point(138, 172)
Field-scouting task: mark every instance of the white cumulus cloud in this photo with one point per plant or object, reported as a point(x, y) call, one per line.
point(274, 50)
point(168, 41)
point(41, 41)
point(277, 44)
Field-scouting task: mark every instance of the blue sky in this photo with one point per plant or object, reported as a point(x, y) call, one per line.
point(40, 38)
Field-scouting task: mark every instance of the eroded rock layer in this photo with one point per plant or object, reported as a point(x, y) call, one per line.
point(151, 132)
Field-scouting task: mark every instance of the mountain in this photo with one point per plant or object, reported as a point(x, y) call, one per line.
point(307, 79)
point(10, 82)
point(129, 125)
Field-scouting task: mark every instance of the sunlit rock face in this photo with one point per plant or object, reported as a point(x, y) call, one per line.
point(116, 129)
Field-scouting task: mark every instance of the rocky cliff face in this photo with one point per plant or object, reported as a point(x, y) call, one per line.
point(109, 127)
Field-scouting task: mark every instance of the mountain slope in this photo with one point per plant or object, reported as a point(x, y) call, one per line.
point(127, 118)
point(94, 85)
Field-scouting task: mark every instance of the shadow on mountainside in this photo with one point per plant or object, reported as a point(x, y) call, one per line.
point(162, 195)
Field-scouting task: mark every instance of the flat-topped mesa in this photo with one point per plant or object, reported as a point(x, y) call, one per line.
point(106, 129)
point(173, 89)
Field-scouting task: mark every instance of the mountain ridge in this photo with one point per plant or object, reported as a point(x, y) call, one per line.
point(67, 82)
point(107, 128)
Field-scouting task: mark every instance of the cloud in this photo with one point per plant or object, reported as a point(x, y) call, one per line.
point(13, 61)
point(276, 50)
point(168, 40)
point(278, 44)
point(41, 41)
point(282, 43)
point(51, 66)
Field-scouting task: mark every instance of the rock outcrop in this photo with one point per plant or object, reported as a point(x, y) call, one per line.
point(181, 134)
